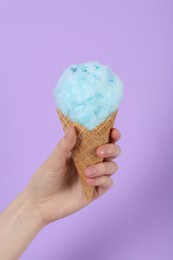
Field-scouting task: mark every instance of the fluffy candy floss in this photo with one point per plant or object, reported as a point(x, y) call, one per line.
point(87, 97)
point(88, 93)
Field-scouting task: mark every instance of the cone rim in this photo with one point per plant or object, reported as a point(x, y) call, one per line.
point(113, 114)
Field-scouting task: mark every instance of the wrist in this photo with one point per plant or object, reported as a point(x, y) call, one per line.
point(32, 210)
point(20, 222)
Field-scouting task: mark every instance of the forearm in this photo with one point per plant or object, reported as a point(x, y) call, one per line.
point(19, 224)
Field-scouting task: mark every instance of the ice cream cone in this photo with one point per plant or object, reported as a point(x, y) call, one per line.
point(86, 145)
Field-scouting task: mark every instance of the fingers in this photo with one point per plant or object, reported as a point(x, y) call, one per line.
point(115, 135)
point(65, 145)
point(68, 141)
point(103, 183)
point(99, 169)
point(99, 175)
point(108, 150)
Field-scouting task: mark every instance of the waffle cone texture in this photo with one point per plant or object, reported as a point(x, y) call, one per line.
point(87, 142)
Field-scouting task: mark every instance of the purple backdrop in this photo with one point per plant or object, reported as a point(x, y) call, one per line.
point(38, 39)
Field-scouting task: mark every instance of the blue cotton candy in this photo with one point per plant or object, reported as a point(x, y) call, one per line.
point(88, 93)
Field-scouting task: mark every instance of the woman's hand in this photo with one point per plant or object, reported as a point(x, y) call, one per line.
point(54, 192)
point(55, 189)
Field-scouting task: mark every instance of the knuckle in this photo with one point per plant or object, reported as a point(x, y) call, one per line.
point(103, 168)
point(62, 145)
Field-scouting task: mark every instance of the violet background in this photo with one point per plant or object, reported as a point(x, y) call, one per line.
point(38, 40)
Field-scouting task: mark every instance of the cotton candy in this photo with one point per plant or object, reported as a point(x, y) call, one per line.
point(88, 93)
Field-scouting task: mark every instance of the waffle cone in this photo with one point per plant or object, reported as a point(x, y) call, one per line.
point(87, 142)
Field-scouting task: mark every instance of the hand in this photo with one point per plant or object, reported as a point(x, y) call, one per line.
point(54, 192)
point(55, 189)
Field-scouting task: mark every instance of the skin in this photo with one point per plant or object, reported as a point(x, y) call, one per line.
point(54, 192)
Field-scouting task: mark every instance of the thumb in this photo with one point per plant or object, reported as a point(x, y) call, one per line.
point(67, 143)
point(64, 147)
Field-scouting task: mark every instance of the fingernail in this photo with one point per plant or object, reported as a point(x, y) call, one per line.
point(101, 152)
point(90, 171)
